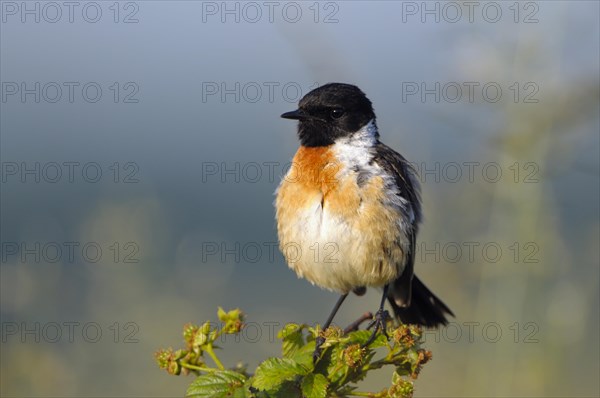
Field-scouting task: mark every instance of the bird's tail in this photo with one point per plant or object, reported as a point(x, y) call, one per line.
point(425, 308)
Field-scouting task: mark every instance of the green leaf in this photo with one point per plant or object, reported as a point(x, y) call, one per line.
point(201, 337)
point(219, 384)
point(289, 329)
point(292, 339)
point(336, 367)
point(404, 369)
point(221, 314)
point(274, 371)
point(400, 387)
point(362, 336)
point(315, 386)
point(288, 389)
point(233, 315)
point(240, 392)
point(304, 355)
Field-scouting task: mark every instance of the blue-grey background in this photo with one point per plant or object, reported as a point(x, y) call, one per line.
point(195, 175)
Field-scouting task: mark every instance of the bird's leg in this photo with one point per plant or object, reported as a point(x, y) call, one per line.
point(320, 339)
point(380, 319)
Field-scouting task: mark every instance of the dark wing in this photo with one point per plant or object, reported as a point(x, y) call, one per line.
point(409, 189)
point(405, 176)
point(410, 299)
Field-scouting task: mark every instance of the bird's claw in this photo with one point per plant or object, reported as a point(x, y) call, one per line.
point(379, 321)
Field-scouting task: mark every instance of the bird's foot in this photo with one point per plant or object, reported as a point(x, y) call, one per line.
point(379, 321)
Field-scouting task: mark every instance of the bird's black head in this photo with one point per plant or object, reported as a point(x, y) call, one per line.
point(329, 112)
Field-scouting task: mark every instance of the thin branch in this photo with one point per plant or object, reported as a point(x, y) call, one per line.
point(356, 324)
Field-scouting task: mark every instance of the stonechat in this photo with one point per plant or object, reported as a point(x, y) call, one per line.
point(348, 210)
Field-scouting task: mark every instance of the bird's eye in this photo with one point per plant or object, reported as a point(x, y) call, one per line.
point(337, 113)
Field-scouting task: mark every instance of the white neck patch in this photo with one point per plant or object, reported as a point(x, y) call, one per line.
point(356, 149)
point(366, 136)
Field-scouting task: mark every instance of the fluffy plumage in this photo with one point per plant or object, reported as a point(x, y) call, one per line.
point(348, 210)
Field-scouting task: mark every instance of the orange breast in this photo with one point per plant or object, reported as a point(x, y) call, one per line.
point(319, 202)
point(315, 168)
point(315, 171)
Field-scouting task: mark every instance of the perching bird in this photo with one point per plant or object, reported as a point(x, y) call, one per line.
point(348, 210)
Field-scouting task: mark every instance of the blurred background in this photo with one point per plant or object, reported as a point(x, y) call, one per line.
point(141, 146)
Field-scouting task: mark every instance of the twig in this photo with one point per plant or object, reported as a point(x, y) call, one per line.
point(356, 324)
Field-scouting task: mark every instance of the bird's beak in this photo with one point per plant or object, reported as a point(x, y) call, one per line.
point(295, 115)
